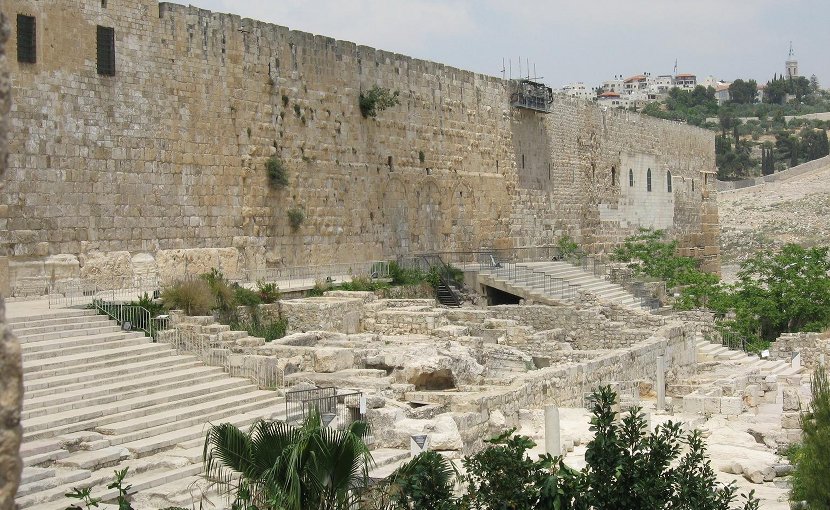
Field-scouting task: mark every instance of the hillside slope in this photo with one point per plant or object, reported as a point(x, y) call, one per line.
point(770, 215)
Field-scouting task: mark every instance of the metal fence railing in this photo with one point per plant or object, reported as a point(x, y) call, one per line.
point(338, 409)
point(261, 370)
point(302, 276)
point(81, 291)
point(129, 317)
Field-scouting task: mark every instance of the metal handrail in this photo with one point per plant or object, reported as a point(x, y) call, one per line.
point(129, 317)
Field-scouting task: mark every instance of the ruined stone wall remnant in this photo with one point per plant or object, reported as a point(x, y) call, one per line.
point(11, 372)
point(164, 161)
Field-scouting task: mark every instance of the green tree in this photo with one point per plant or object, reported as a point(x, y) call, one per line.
point(376, 100)
point(812, 462)
point(788, 147)
point(277, 466)
point(743, 92)
point(787, 291)
point(427, 481)
point(814, 143)
point(776, 91)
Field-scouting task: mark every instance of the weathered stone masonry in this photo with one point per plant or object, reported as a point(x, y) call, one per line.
point(161, 167)
point(11, 372)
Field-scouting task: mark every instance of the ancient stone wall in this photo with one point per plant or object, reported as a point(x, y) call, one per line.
point(164, 162)
point(11, 373)
point(813, 347)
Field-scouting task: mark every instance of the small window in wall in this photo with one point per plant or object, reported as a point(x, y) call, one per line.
point(668, 182)
point(106, 51)
point(648, 180)
point(613, 176)
point(26, 39)
point(104, 4)
point(630, 178)
point(693, 184)
point(523, 160)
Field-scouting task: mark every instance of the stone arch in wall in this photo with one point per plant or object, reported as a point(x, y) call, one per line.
point(429, 232)
point(395, 218)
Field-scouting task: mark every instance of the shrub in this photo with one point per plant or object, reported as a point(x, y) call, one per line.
point(320, 287)
point(296, 216)
point(195, 297)
point(245, 297)
point(268, 292)
point(376, 100)
point(811, 459)
point(567, 247)
point(268, 330)
point(222, 292)
point(362, 284)
point(277, 176)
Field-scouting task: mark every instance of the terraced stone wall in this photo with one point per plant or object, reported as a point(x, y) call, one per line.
point(160, 169)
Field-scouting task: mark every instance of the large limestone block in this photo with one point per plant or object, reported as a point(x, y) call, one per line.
point(144, 264)
point(109, 270)
point(62, 267)
point(431, 367)
point(332, 359)
point(442, 431)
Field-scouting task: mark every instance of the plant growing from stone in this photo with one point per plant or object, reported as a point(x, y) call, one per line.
point(277, 175)
point(376, 100)
point(296, 217)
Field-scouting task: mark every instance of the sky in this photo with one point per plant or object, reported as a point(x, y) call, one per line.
point(578, 40)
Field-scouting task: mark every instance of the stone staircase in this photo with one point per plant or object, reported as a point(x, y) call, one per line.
point(584, 280)
point(743, 362)
point(99, 399)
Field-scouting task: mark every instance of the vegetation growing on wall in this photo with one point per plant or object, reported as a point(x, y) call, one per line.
point(376, 100)
point(277, 175)
point(296, 217)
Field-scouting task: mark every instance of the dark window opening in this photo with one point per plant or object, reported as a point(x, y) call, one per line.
point(668, 182)
point(630, 178)
point(613, 176)
point(389, 162)
point(523, 160)
point(693, 184)
point(648, 180)
point(106, 51)
point(104, 4)
point(26, 39)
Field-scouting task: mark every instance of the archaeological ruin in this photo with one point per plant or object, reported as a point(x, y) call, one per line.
point(150, 143)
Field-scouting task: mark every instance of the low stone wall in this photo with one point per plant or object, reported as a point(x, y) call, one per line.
point(566, 385)
point(812, 347)
point(777, 176)
point(328, 313)
point(405, 322)
point(585, 328)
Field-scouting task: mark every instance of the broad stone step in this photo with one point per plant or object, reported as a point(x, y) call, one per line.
point(78, 419)
point(119, 372)
point(82, 362)
point(67, 336)
point(51, 316)
point(57, 478)
point(178, 410)
point(48, 456)
point(54, 497)
point(23, 333)
point(95, 459)
point(128, 388)
point(29, 448)
point(74, 348)
point(166, 440)
point(33, 474)
point(82, 337)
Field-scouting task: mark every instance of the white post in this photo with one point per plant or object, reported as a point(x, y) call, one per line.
point(796, 363)
point(661, 383)
point(552, 439)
